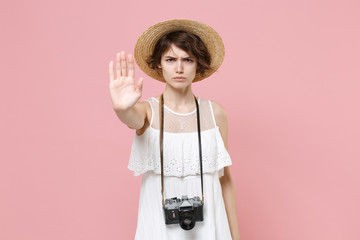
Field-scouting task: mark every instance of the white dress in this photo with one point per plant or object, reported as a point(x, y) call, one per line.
point(181, 173)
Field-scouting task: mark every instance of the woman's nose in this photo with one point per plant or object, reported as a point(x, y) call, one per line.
point(179, 67)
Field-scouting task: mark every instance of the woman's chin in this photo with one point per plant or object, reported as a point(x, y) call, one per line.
point(179, 85)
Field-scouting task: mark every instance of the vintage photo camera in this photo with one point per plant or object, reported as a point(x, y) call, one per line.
point(185, 211)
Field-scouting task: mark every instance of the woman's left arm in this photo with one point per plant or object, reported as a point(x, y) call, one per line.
point(227, 185)
point(228, 192)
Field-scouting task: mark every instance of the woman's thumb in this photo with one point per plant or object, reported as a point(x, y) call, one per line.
point(139, 84)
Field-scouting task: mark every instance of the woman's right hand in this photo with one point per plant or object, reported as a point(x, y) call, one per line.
point(123, 90)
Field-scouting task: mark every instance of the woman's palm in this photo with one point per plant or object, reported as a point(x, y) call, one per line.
point(123, 90)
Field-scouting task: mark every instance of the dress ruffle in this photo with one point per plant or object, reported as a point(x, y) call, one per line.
point(180, 158)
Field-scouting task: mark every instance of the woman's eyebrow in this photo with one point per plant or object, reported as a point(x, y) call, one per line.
point(181, 58)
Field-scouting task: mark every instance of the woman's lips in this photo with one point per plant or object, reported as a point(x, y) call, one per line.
point(178, 78)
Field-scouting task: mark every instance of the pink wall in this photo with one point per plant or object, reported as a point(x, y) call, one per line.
point(290, 84)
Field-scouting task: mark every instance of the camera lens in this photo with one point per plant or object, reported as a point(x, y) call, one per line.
point(186, 220)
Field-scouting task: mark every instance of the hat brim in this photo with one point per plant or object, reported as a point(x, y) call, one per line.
point(145, 45)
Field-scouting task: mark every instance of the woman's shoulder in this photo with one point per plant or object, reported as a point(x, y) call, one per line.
point(219, 112)
point(220, 116)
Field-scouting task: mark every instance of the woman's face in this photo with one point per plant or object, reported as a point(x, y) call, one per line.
point(178, 67)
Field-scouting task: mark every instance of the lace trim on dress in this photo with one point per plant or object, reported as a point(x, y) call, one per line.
point(181, 153)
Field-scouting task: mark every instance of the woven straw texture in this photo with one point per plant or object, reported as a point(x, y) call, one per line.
point(146, 43)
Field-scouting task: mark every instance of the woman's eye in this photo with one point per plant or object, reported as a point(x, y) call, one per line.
point(189, 60)
point(170, 60)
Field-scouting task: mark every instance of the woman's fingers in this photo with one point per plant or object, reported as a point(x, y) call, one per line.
point(123, 64)
point(131, 66)
point(111, 71)
point(118, 68)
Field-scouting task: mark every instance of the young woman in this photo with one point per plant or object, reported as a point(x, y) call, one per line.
point(174, 157)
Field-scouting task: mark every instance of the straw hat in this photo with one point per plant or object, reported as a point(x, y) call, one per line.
point(145, 44)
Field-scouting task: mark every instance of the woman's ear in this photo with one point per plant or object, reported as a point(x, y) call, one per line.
point(159, 66)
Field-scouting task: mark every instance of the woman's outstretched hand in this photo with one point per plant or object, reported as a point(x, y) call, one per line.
point(123, 90)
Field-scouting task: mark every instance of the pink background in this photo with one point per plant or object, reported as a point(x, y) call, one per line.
point(289, 82)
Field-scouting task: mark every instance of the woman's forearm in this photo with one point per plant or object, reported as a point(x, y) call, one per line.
point(134, 117)
point(228, 192)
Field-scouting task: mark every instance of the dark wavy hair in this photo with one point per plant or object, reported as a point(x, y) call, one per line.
point(189, 42)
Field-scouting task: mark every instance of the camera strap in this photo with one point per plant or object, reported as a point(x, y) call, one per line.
point(161, 113)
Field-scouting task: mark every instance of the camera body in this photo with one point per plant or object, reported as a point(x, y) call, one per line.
point(185, 211)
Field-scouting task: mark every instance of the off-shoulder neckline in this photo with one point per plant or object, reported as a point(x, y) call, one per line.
point(182, 114)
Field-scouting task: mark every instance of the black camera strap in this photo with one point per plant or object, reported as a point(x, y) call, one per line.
point(161, 113)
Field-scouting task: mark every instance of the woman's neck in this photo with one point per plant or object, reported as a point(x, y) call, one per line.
point(179, 99)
